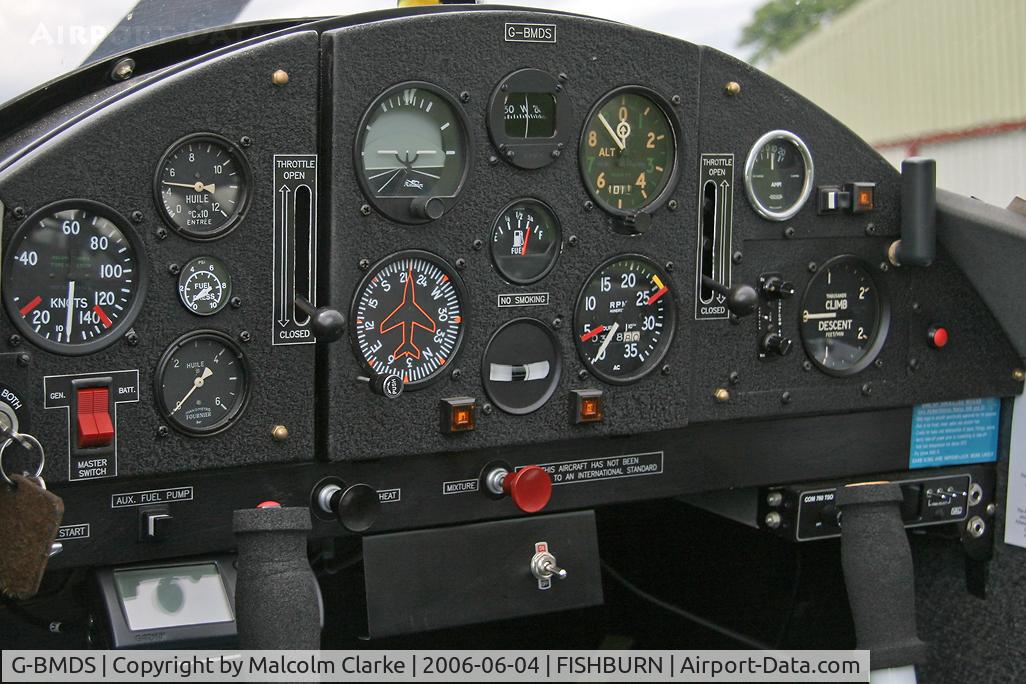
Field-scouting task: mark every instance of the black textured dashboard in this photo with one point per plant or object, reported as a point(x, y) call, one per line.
point(714, 409)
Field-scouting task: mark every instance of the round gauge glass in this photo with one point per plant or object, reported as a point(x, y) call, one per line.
point(202, 383)
point(408, 317)
point(526, 241)
point(778, 175)
point(413, 152)
point(529, 118)
point(202, 186)
point(205, 285)
point(624, 319)
point(844, 317)
point(521, 366)
point(628, 151)
point(74, 277)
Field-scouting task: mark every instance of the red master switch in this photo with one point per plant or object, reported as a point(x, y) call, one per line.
point(95, 428)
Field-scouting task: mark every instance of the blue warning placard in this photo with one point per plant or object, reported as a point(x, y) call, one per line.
point(954, 433)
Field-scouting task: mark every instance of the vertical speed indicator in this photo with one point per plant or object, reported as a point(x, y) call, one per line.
point(408, 317)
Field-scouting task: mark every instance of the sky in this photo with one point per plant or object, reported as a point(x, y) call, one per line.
point(41, 39)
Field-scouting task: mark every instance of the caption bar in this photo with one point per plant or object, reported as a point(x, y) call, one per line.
point(441, 666)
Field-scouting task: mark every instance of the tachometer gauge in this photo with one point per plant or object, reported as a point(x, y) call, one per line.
point(628, 151)
point(202, 383)
point(844, 317)
point(205, 285)
point(526, 241)
point(74, 277)
point(624, 319)
point(778, 175)
point(413, 152)
point(408, 317)
point(202, 186)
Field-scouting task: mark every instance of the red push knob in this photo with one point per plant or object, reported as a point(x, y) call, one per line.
point(530, 488)
point(937, 336)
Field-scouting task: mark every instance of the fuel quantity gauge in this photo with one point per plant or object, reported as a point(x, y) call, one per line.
point(526, 241)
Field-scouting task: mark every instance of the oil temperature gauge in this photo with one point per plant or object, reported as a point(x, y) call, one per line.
point(526, 241)
point(202, 383)
point(205, 285)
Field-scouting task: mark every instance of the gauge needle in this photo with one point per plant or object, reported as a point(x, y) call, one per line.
point(196, 384)
point(201, 294)
point(591, 333)
point(527, 236)
point(606, 341)
point(198, 186)
point(619, 143)
point(817, 316)
point(71, 311)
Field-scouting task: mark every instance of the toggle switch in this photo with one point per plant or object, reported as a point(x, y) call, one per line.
point(95, 428)
point(544, 566)
point(154, 523)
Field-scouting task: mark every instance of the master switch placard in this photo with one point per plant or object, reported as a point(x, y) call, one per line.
point(954, 433)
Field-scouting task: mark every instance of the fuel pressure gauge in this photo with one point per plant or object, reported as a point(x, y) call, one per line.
point(205, 285)
point(526, 241)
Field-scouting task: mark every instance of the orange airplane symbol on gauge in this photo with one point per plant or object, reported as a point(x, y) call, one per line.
point(409, 316)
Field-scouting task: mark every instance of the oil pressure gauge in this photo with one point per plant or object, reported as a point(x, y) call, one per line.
point(205, 285)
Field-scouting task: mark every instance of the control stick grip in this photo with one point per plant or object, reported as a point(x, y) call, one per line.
point(277, 599)
point(878, 574)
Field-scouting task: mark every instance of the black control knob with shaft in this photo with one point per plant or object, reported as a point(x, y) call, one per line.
point(277, 599)
point(742, 299)
point(327, 324)
point(878, 574)
point(355, 506)
point(775, 343)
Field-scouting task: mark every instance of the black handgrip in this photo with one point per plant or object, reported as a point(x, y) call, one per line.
point(742, 299)
point(877, 566)
point(918, 244)
point(277, 600)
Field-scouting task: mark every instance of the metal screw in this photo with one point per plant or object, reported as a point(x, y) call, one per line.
point(785, 398)
point(913, 364)
point(456, 374)
point(136, 216)
point(773, 520)
point(465, 97)
point(870, 228)
point(588, 205)
point(14, 340)
point(486, 409)
point(557, 323)
point(245, 141)
point(132, 337)
point(736, 257)
point(672, 205)
point(478, 244)
point(493, 160)
point(562, 77)
point(510, 154)
point(174, 269)
point(365, 210)
point(572, 240)
point(867, 389)
point(991, 509)
point(280, 433)
point(789, 232)
point(774, 499)
point(735, 377)
point(878, 363)
point(675, 100)
point(915, 306)
point(976, 527)
point(732, 88)
point(280, 77)
point(123, 70)
point(721, 394)
point(162, 431)
point(812, 267)
point(807, 365)
point(236, 302)
point(666, 369)
point(24, 360)
point(582, 374)
point(161, 233)
point(1019, 375)
point(461, 263)
point(669, 266)
point(555, 154)
point(884, 267)
point(245, 337)
point(364, 264)
point(19, 212)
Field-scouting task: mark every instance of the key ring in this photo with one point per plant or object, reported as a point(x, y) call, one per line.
point(33, 444)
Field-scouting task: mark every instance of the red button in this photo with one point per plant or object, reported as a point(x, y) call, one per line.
point(530, 488)
point(95, 428)
point(937, 336)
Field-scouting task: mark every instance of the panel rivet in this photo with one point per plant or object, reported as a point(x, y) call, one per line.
point(722, 394)
point(1019, 375)
point(732, 88)
point(280, 77)
point(280, 433)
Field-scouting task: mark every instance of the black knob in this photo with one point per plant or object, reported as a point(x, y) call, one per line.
point(635, 224)
point(327, 324)
point(356, 506)
point(387, 385)
point(742, 299)
point(775, 287)
point(429, 208)
point(775, 343)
